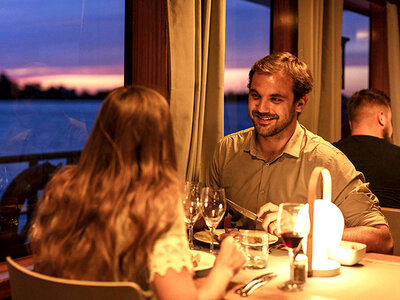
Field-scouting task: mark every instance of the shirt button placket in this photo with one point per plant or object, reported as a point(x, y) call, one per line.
point(261, 199)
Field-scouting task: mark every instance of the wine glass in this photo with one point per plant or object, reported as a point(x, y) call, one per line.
point(291, 232)
point(192, 207)
point(214, 207)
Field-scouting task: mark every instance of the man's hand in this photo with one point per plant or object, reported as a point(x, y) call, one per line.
point(269, 223)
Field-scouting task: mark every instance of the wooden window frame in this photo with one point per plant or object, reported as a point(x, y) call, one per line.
point(146, 45)
point(284, 26)
point(146, 39)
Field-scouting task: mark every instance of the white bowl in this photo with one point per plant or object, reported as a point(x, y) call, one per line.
point(348, 253)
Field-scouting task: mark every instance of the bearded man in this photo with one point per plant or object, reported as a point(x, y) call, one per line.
point(272, 162)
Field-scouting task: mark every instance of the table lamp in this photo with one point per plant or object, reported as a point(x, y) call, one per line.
point(325, 223)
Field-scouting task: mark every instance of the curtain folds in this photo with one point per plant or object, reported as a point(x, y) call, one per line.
point(394, 67)
point(197, 55)
point(319, 45)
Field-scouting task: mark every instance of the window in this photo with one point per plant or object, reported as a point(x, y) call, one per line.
point(247, 40)
point(355, 43)
point(356, 31)
point(58, 60)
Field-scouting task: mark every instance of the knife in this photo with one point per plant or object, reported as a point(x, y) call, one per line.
point(245, 212)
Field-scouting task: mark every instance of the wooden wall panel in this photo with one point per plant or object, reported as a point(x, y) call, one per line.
point(284, 28)
point(146, 44)
point(379, 69)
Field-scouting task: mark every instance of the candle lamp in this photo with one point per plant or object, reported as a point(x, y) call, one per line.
point(325, 226)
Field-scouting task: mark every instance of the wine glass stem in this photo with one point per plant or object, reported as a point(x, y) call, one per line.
point(291, 257)
point(190, 228)
point(212, 232)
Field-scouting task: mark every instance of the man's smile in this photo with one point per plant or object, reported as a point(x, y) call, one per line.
point(265, 117)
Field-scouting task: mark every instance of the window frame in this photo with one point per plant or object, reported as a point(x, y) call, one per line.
point(146, 59)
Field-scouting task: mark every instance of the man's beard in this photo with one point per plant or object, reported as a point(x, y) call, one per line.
point(268, 131)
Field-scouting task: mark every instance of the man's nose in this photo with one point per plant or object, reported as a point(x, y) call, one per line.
point(264, 106)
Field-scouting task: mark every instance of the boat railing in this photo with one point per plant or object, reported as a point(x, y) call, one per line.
point(72, 157)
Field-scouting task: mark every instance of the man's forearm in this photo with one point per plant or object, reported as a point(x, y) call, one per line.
point(377, 238)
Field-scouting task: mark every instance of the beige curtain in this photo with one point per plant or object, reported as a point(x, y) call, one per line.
point(319, 45)
point(394, 67)
point(197, 52)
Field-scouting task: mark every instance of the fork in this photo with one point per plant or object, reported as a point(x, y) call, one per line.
point(244, 290)
point(258, 285)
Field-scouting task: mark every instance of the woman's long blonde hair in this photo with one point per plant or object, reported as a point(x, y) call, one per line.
point(127, 167)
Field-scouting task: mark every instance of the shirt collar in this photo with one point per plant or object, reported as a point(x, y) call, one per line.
point(249, 146)
point(292, 147)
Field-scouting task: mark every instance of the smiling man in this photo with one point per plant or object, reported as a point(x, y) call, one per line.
point(272, 162)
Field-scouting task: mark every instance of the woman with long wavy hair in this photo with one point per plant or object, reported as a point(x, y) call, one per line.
point(117, 214)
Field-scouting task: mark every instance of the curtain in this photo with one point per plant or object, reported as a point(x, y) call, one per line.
point(394, 67)
point(319, 46)
point(197, 55)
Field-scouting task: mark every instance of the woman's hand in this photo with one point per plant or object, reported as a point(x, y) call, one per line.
point(230, 257)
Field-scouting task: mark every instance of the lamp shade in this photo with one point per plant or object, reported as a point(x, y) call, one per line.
point(327, 232)
point(327, 227)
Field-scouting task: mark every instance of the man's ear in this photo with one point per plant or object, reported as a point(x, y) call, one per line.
point(301, 103)
point(381, 118)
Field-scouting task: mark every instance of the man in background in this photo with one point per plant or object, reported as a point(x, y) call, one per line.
point(370, 146)
point(272, 162)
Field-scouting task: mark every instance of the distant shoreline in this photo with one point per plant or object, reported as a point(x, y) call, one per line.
point(52, 99)
point(9, 90)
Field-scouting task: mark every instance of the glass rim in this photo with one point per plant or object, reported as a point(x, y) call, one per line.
point(291, 204)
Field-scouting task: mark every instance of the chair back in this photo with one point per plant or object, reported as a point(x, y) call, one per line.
point(29, 285)
point(392, 215)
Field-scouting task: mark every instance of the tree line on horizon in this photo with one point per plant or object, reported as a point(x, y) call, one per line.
point(9, 90)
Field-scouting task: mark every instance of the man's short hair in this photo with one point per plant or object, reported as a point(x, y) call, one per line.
point(365, 99)
point(291, 65)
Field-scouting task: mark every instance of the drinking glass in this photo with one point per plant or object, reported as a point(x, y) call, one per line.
point(254, 244)
point(291, 232)
point(192, 207)
point(214, 207)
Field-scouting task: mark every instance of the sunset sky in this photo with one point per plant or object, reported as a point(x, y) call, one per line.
point(76, 43)
point(79, 43)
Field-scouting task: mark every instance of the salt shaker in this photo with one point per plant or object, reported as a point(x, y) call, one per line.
point(300, 269)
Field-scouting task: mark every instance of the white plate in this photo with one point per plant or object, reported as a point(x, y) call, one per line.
point(204, 236)
point(205, 260)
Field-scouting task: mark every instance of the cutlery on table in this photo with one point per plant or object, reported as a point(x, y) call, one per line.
point(258, 285)
point(255, 283)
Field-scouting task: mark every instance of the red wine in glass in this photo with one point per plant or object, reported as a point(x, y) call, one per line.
point(291, 232)
point(291, 239)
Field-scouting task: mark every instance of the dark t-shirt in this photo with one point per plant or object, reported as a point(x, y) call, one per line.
point(379, 161)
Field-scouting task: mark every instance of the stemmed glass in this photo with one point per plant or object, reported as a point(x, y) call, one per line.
point(192, 207)
point(214, 207)
point(291, 232)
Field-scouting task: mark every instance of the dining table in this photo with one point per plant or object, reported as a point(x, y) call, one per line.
point(375, 276)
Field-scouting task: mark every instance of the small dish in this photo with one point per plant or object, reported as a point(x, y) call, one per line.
point(204, 262)
point(348, 253)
